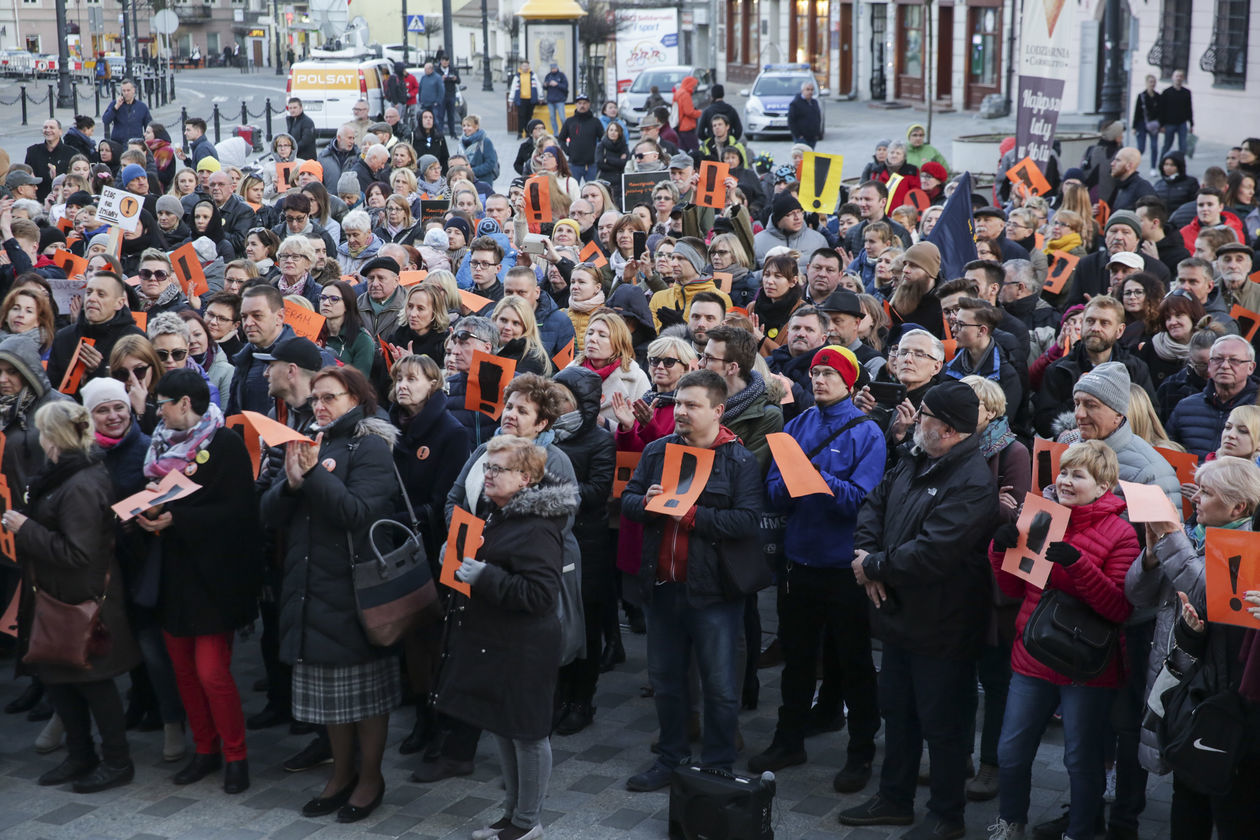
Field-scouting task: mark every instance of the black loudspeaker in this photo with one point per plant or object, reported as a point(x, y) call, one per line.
point(716, 805)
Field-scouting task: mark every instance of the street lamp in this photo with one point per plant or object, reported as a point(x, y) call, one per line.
point(65, 96)
point(275, 24)
point(487, 83)
point(1113, 71)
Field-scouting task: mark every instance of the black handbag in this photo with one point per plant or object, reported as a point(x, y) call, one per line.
point(394, 590)
point(1067, 636)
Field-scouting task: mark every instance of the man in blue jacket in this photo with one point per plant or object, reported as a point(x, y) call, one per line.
point(126, 116)
point(805, 117)
point(687, 558)
point(818, 592)
point(556, 87)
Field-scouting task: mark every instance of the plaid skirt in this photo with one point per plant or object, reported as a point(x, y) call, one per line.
point(346, 693)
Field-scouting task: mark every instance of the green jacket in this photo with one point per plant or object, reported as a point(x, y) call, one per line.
point(357, 353)
point(761, 418)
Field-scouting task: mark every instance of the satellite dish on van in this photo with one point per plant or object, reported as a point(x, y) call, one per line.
point(330, 29)
point(357, 31)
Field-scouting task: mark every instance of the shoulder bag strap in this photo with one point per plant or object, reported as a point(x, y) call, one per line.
point(415, 523)
point(855, 421)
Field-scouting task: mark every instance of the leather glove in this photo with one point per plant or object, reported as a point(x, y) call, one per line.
point(1006, 536)
point(1062, 554)
point(469, 570)
point(669, 317)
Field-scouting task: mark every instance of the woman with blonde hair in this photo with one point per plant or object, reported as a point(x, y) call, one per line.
point(586, 296)
point(1067, 233)
point(1076, 199)
point(513, 317)
point(609, 351)
point(727, 253)
point(874, 327)
point(1145, 422)
point(423, 323)
point(1241, 436)
point(397, 224)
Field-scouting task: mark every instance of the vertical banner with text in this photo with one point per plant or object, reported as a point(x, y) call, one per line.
point(1047, 54)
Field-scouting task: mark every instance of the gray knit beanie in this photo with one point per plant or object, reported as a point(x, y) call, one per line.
point(348, 184)
point(1109, 384)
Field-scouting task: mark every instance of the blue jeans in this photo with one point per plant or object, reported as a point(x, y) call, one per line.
point(584, 173)
point(925, 698)
point(1180, 130)
point(1139, 134)
point(1030, 704)
point(675, 629)
point(526, 767)
point(555, 111)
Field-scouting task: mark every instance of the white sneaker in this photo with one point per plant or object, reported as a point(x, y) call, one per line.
point(491, 831)
point(1109, 795)
point(173, 747)
point(1003, 830)
point(49, 738)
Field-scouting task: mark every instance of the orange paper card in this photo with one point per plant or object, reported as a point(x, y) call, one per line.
point(273, 432)
point(683, 476)
point(462, 540)
point(412, 277)
point(65, 224)
point(75, 370)
point(1027, 172)
point(8, 546)
point(188, 269)
point(238, 421)
point(1045, 463)
point(305, 323)
point(1247, 320)
point(1185, 463)
point(284, 174)
point(174, 485)
point(800, 476)
point(591, 254)
point(487, 377)
point(141, 319)
point(8, 622)
point(1062, 265)
point(626, 463)
point(723, 280)
point(72, 264)
point(564, 356)
point(537, 203)
point(1040, 523)
point(1232, 561)
point(1148, 503)
point(711, 189)
point(1254, 277)
point(472, 301)
point(917, 199)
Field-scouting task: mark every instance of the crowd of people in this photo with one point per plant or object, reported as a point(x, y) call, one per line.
point(915, 389)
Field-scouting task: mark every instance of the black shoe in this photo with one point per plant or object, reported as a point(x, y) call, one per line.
point(772, 656)
point(236, 776)
point(301, 727)
point(576, 718)
point(443, 768)
point(198, 767)
point(105, 777)
point(1055, 828)
point(322, 806)
point(26, 701)
point(317, 752)
point(353, 813)
point(43, 711)
point(69, 770)
point(268, 717)
point(135, 714)
point(636, 620)
point(558, 714)
point(934, 828)
point(421, 734)
point(778, 755)
point(822, 720)
point(853, 777)
point(877, 811)
point(614, 654)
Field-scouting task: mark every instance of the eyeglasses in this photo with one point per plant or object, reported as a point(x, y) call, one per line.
point(295, 217)
point(330, 298)
point(642, 155)
point(172, 355)
point(165, 400)
point(328, 399)
point(292, 255)
point(925, 413)
point(1227, 360)
point(123, 374)
point(465, 335)
point(960, 325)
point(146, 274)
point(719, 252)
point(663, 361)
point(919, 355)
point(495, 469)
point(481, 264)
point(1134, 293)
point(707, 360)
point(255, 230)
point(219, 319)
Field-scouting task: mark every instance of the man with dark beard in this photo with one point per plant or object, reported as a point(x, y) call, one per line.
point(914, 300)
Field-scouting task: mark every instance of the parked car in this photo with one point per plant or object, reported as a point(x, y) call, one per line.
point(766, 109)
point(631, 103)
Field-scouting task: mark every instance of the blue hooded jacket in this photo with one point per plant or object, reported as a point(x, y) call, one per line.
point(820, 528)
point(487, 227)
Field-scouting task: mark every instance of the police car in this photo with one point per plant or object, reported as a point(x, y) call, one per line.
point(766, 109)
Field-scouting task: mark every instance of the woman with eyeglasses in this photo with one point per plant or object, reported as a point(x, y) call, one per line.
point(135, 364)
point(170, 337)
point(1168, 349)
point(283, 150)
point(781, 295)
point(210, 573)
point(664, 199)
point(397, 224)
point(346, 336)
point(1141, 295)
point(323, 504)
point(1066, 234)
point(295, 258)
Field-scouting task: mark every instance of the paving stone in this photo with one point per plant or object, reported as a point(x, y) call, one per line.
point(624, 818)
point(168, 806)
point(65, 814)
point(469, 806)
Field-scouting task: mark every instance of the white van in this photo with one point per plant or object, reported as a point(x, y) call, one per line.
point(329, 88)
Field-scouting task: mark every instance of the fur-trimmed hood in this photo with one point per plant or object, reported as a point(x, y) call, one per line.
point(1063, 423)
point(383, 429)
point(552, 498)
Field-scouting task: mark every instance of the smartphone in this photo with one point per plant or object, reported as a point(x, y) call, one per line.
point(888, 394)
point(640, 244)
point(534, 244)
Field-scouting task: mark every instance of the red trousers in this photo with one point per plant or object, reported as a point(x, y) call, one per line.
point(203, 672)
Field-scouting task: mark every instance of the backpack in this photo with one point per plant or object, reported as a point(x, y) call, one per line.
point(396, 91)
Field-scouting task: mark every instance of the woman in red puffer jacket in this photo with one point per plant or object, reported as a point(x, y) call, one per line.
point(1089, 564)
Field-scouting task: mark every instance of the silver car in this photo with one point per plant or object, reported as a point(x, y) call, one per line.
point(631, 104)
point(766, 109)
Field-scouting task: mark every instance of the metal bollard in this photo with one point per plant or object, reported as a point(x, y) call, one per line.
point(52, 102)
point(172, 85)
point(268, 124)
point(217, 138)
point(23, 87)
point(183, 118)
point(96, 92)
point(244, 114)
point(74, 91)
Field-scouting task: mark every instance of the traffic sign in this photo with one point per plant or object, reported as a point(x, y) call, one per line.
point(415, 23)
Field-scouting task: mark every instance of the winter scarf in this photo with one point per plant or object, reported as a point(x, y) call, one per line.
point(170, 293)
point(996, 437)
point(14, 406)
point(774, 314)
point(604, 372)
point(738, 403)
point(1168, 350)
point(1066, 242)
point(54, 473)
point(174, 450)
point(296, 289)
point(588, 305)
